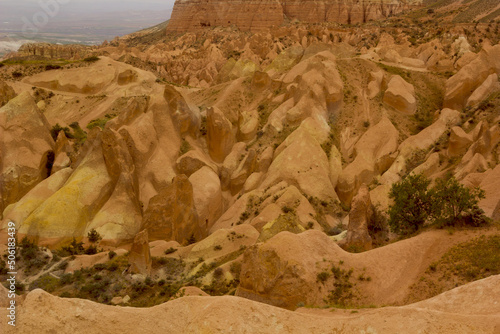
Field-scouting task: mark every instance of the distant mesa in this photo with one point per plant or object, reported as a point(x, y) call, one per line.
point(255, 15)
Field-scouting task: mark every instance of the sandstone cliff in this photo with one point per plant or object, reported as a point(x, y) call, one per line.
point(255, 15)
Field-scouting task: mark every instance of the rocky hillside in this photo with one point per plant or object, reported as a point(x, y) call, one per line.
point(254, 164)
point(193, 15)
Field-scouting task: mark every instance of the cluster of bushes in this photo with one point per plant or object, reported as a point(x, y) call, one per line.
point(448, 203)
point(76, 248)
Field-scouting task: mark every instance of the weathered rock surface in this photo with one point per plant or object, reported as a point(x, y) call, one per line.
point(469, 308)
point(421, 141)
point(207, 196)
point(6, 93)
point(461, 86)
point(192, 161)
point(400, 95)
point(121, 216)
point(301, 161)
point(220, 136)
point(489, 86)
point(171, 215)
point(140, 256)
point(55, 51)
point(25, 146)
point(66, 213)
point(262, 14)
point(361, 212)
point(185, 119)
point(373, 156)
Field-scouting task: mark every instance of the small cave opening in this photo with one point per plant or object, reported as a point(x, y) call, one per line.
point(50, 157)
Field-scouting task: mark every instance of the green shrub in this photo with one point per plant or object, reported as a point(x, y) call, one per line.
point(170, 250)
point(46, 282)
point(93, 236)
point(412, 204)
point(449, 203)
point(457, 205)
point(91, 59)
point(322, 276)
point(111, 255)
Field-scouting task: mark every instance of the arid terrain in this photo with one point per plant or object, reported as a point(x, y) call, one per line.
point(241, 168)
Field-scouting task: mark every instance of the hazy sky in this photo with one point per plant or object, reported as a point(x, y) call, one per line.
point(102, 19)
point(29, 7)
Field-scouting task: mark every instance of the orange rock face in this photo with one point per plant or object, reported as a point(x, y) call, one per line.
point(255, 15)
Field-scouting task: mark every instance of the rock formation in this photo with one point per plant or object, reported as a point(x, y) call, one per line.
point(24, 162)
point(361, 212)
point(257, 15)
point(171, 215)
point(140, 256)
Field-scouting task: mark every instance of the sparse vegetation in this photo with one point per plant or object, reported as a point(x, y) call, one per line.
point(448, 203)
point(100, 122)
point(91, 59)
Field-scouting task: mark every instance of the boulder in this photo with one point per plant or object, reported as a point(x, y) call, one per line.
point(220, 136)
point(488, 87)
point(357, 237)
point(192, 161)
point(232, 161)
point(6, 93)
point(400, 95)
point(140, 256)
point(26, 147)
point(265, 159)
point(171, 215)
